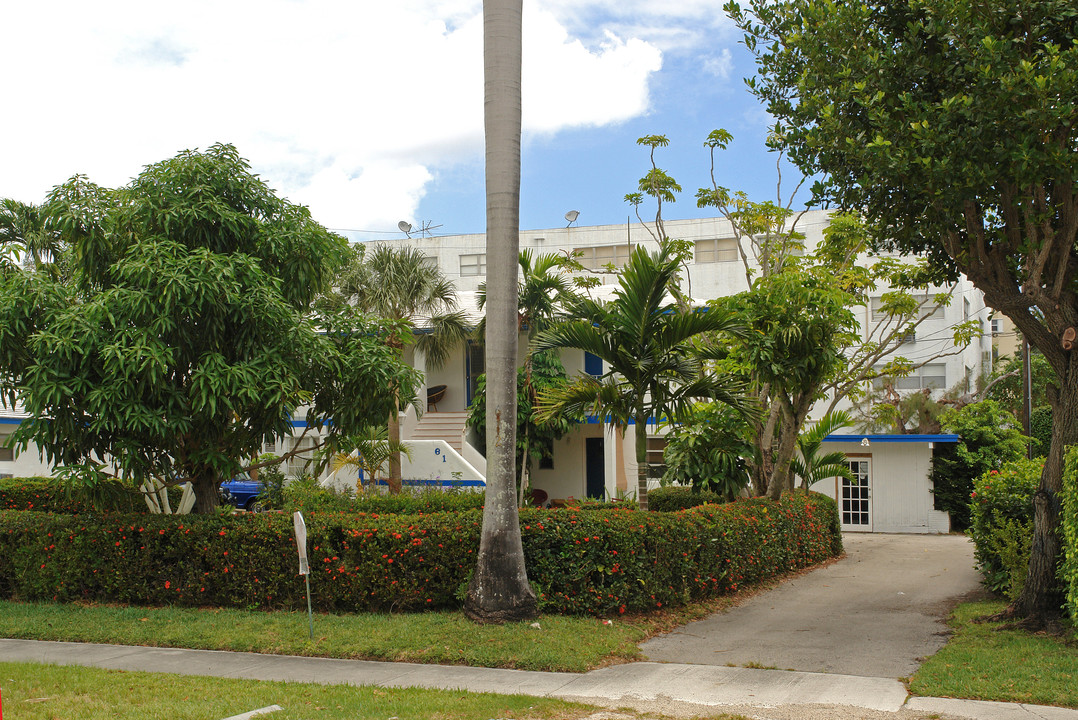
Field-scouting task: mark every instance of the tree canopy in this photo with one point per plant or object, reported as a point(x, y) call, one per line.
point(182, 340)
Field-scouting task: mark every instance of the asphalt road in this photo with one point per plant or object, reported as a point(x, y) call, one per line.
point(878, 612)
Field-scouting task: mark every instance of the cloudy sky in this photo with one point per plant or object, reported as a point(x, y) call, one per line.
point(371, 113)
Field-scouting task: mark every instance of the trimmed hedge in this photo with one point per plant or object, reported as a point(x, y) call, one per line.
point(47, 494)
point(582, 561)
point(672, 498)
point(1069, 522)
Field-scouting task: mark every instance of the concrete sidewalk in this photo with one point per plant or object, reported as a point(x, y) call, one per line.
point(670, 688)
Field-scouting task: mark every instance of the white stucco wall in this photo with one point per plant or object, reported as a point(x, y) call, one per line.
point(28, 463)
point(901, 496)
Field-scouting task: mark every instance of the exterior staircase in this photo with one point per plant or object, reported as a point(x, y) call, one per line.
point(447, 426)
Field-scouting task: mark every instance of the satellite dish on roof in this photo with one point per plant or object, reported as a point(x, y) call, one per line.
point(404, 227)
point(571, 216)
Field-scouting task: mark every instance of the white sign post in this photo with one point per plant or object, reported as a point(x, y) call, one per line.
point(304, 568)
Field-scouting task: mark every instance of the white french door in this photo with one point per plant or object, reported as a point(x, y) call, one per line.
point(855, 497)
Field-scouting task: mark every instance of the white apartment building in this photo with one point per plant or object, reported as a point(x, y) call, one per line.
point(595, 460)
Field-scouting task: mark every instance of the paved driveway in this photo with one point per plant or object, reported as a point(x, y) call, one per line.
point(878, 612)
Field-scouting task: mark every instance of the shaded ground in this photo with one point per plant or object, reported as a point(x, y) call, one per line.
point(878, 612)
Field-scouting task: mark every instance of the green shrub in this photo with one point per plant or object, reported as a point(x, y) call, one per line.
point(308, 495)
point(673, 498)
point(585, 562)
point(47, 494)
point(987, 440)
point(708, 452)
point(1040, 428)
point(1069, 523)
point(1001, 513)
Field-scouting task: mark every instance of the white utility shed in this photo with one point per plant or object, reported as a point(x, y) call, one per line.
point(893, 492)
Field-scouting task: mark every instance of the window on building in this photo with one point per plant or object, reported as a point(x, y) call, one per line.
point(965, 309)
point(927, 303)
point(997, 326)
point(597, 257)
point(430, 261)
point(716, 250)
point(656, 463)
point(270, 446)
point(300, 462)
point(933, 376)
point(7, 454)
point(473, 264)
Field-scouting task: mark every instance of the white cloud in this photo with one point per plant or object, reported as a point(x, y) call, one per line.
point(720, 65)
point(345, 106)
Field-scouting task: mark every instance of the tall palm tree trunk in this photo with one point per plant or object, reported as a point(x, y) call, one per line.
point(640, 432)
point(499, 590)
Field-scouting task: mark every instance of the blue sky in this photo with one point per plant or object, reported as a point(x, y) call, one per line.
point(371, 112)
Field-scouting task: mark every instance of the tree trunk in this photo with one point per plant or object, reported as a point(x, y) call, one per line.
point(205, 487)
point(793, 417)
point(394, 433)
point(499, 590)
point(1042, 597)
point(641, 433)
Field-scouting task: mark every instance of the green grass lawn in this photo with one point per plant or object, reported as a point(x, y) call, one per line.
point(45, 692)
point(561, 643)
point(982, 661)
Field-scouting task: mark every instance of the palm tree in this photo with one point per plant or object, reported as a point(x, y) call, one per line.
point(541, 287)
point(645, 340)
point(400, 284)
point(499, 589)
point(812, 467)
point(373, 450)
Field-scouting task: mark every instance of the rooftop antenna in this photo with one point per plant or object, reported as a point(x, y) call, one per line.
point(426, 227)
point(405, 227)
point(571, 216)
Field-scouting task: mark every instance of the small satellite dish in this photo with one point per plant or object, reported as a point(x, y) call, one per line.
point(571, 216)
point(404, 227)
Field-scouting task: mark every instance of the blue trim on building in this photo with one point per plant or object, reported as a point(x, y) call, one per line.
point(10, 421)
point(438, 483)
point(893, 438)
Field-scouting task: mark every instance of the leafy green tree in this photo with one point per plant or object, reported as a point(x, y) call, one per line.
point(707, 451)
point(499, 588)
point(182, 342)
point(770, 245)
point(987, 440)
point(950, 126)
point(400, 285)
point(799, 325)
point(655, 373)
point(812, 466)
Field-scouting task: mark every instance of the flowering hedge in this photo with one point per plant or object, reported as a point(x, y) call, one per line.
point(1001, 523)
point(582, 561)
point(46, 494)
point(1070, 530)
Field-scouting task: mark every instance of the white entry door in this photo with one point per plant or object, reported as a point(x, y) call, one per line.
point(855, 503)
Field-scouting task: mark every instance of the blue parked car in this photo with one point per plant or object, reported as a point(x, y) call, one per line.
point(244, 493)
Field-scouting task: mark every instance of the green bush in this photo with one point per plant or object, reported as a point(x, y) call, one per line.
point(47, 494)
point(673, 498)
point(308, 495)
point(987, 440)
point(584, 562)
point(1069, 522)
point(1001, 513)
point(1040, 427)
point(708, 451)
